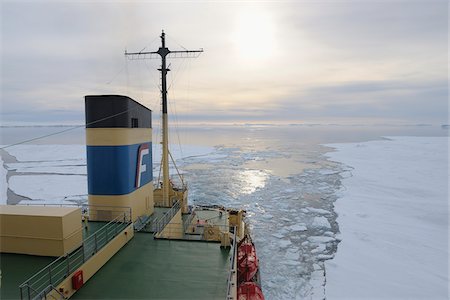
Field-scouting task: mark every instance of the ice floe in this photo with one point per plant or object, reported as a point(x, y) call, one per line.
point(320, 222)
point(320, 239)
point(284, 243)
point(49, 188)
point(298, 227)
point(317, 210)
point(319, 248)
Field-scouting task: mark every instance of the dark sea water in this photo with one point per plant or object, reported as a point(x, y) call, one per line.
point(279, 174)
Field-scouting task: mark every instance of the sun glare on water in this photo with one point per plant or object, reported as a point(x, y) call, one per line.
point(254, 35)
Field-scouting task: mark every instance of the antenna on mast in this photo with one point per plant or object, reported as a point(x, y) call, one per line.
point(164, 53)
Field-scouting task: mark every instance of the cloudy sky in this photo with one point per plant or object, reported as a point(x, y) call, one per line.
point(307, 61)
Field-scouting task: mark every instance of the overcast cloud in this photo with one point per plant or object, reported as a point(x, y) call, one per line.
point(302, 61)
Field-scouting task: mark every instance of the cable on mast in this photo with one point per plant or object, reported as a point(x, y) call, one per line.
point(164, 53)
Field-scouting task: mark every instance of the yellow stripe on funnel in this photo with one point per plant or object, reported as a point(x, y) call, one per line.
point(117, 136)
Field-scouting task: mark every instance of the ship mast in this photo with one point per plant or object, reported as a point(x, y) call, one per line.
point(164, 53)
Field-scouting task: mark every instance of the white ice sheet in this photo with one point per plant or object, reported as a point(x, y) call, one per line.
point(49, 188)
point(25, 153)
point(393, 216)
point(3, 182)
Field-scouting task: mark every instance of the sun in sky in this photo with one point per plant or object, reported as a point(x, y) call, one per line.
point(254, 35)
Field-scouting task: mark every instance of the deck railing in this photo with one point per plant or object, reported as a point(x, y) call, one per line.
point(188, 220)
point(158, 225)
point(193, 232)
point(232, 274)
point(37, 286)
point(92, 212)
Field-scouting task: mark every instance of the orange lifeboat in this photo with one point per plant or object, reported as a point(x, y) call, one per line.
point(247, 261)
point(250, 291)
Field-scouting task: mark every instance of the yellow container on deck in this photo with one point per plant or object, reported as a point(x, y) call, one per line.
point(40, 230)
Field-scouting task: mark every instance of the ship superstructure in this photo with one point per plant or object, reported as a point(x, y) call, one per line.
point(135, 238)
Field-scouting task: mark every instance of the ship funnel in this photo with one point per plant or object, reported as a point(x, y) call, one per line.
point(119, 155)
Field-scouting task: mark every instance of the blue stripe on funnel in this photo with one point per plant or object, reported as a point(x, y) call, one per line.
point(112, 169)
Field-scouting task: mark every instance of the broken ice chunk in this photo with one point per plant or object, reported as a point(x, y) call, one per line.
point(321, 222)
point(318, 210)
point(298, 227)
point(284, 243)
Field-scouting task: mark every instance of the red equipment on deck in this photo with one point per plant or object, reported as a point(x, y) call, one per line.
point(250, 291)
point(247, 261)
point(77, 279)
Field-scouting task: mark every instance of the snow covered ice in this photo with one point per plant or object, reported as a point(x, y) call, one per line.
point(49, 188)
point(46, 153)
point(4, 186)
point(48, 173)
point(393, 218)
point(321, 222)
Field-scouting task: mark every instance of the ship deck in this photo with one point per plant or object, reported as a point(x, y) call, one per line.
point(148, 268)
point(16, 268)
point(144, 268)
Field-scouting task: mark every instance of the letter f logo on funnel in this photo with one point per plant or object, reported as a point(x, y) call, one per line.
point(141, 165)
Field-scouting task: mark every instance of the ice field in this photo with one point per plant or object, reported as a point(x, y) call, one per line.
point(309, 205)
point(393, 217)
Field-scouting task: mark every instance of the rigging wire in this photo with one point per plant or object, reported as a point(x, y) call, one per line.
point(173, 40)
point(177, 128)
point(152, 77)
point(160, 131)
point(181, 69)
point(174, 111)
point(172, 107)
point(188, 97)
point(175, 76)
point(66, 130)
point(176, 168)
point(151, 43)
point(127, 73)
point(117, 74)
point(160, 168)
point(140, 81)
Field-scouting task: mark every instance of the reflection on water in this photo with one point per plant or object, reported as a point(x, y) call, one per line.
point(252, 180)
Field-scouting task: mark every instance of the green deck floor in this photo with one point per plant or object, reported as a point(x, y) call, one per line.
point(92, 227)
point(161, 269)
point(16, 268)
